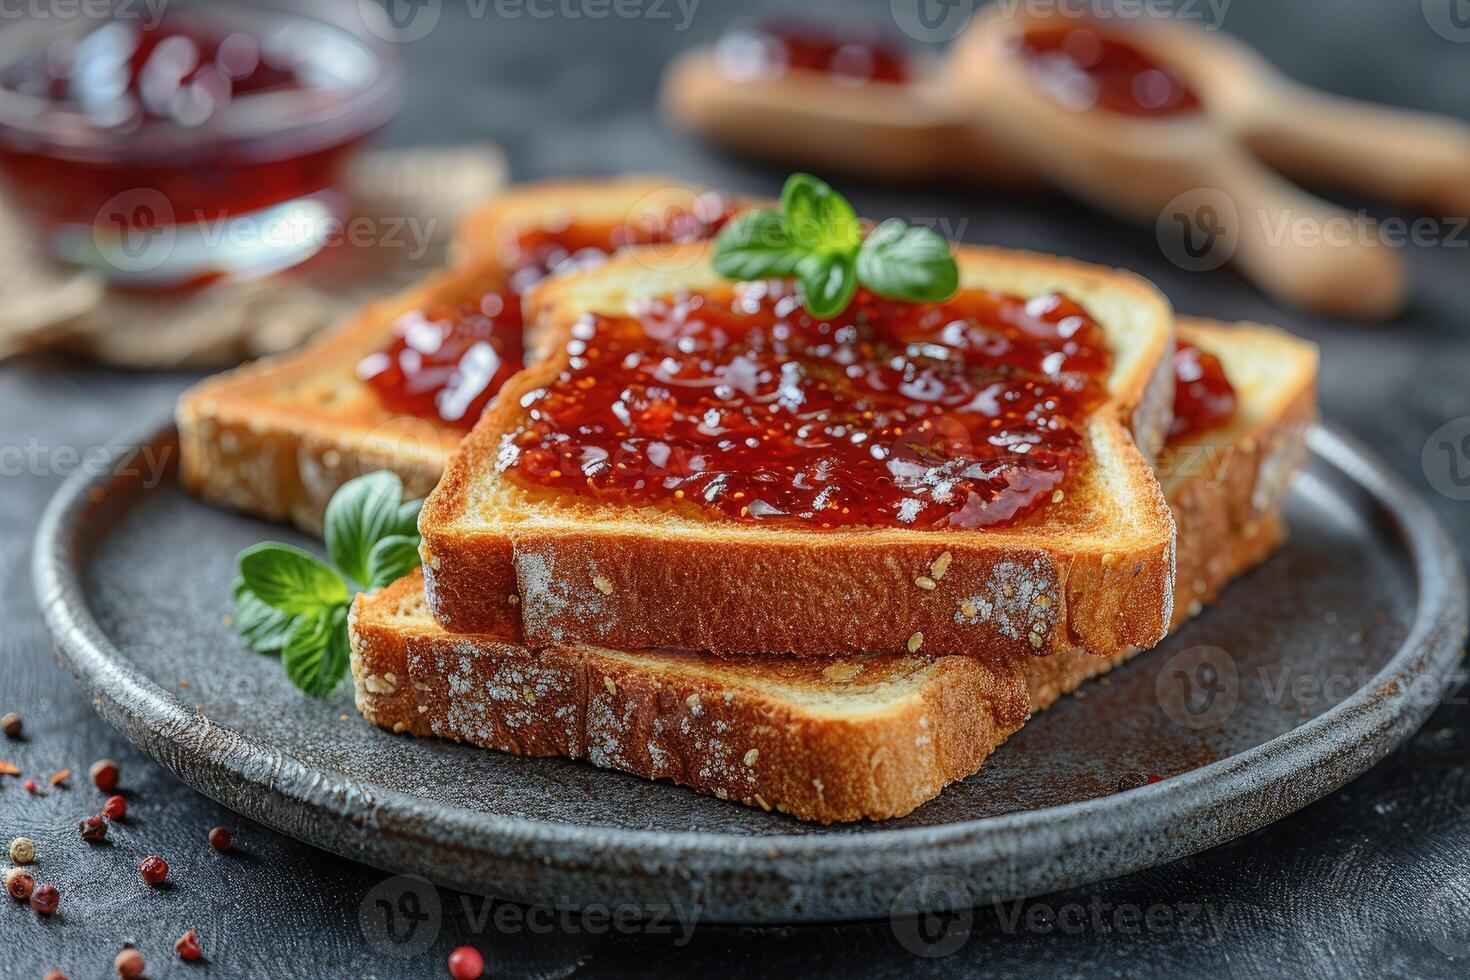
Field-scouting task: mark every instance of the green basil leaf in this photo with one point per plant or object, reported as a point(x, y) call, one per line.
point(264, 627)
point(362, 512)
point(755, 246)
point(817, 217)
point(289, 579)
point(391, 559)
point(903, 262)
point(317, 651)
point(828, 282)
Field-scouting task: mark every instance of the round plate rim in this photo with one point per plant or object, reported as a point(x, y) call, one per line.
point(152, 718)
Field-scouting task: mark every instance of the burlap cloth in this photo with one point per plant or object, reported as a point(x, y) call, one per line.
point(408, 200)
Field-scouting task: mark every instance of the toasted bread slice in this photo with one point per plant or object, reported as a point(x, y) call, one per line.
point(834, 740)
point(1093, 570)
point(1224, 485)
point(278, 437)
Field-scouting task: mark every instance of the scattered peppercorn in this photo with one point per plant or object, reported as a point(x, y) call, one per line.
point(45, 899)
point(22, 850)
point(10, 724)
point(19, 883)
point(115, 808)
point(30, 785)
point(129, 964)
point(220, 839)
point(104, 775)
point(466, 963)
point(54, 975)
point(188, 947)
point(92, 829)
point(154, 869)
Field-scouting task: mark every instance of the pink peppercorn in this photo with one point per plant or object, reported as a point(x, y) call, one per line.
point(45, 899)
point(115, 808)
point(154, 869)
point(466, 963)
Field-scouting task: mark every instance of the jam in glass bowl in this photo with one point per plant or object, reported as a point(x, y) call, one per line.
point(203, 141)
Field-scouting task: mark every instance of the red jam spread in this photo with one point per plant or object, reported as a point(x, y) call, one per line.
point(850, 54)
point(449, 363)
point(1083, 68)
point(742, 406)
point(1203, 397)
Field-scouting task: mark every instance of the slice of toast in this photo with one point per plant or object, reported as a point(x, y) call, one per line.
point(278, 437)
point(1093, 570)
point(826, 740)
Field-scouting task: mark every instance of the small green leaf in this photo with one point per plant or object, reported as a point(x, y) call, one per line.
point(828, 282)
point(755, 246)
point(392, 558)
point(289, 579)
point(903, 262)
point(817, 217)
point(317, 651)
point(362, 512)
point(264, 628)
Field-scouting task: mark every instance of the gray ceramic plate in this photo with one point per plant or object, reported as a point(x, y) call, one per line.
point(1326, 657)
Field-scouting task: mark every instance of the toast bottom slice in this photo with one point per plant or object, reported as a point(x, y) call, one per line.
point(829, 740)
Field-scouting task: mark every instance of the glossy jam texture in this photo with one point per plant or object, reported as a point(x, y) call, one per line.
point(1084, 68)
point(741, 406)
point(449, 363)
point(1204, 398)
point(850, 54)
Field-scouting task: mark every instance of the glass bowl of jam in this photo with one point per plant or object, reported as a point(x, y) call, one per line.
point(205, 142)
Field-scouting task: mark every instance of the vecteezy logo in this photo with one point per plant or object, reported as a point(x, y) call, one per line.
point(1199, 230)
point(932, 21)
point(1450, 19)
point(1446, 459)
point(400, 21)
point(933, 916)
point(135, 231)
point(1198, 687)
point(401, 916)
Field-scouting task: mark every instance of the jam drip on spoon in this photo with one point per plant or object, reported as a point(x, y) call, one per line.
point(741, 406)
point(851, 55)
point(1084, 68)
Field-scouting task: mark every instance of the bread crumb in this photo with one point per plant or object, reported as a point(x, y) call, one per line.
point(751, 756)
point(915, 641)
point(841, 671)
point(720, 793)
point(926, 583)
point(1109, 559)
point(603, 583)
point(940, 565)
point(378, 685)
point(610, 684)
point(968, 610)
point(423, 709)
point(1056, 496)
point(399, 728)
point(692, 701)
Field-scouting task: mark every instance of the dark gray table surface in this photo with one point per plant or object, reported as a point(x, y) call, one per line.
point(1374, 880)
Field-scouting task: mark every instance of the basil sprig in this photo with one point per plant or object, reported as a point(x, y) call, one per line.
point(290, 602)
point(817, 238)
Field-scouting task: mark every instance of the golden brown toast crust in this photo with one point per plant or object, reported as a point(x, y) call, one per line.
point(614, 578)
point(712, 724)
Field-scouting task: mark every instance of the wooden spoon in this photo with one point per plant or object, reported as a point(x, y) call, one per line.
point(1413, 158)
point(1297, 247)
point(877, 130)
